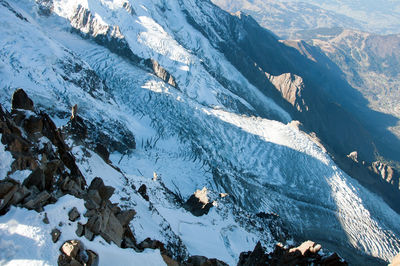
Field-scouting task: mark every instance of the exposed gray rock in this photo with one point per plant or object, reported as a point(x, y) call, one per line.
point(55, 235)
point(80, 230)
point(105, 218)
point(73, 214)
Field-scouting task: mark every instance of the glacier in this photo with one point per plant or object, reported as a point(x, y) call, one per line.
point(228, 137)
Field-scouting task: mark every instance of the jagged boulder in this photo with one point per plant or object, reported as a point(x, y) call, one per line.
point(73, 252)
point(143, 192)
point(73, 214)
point(20, 100)
point(105, 218)
point(198, 204)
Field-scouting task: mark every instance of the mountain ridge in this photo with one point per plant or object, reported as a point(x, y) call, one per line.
point(209, 128)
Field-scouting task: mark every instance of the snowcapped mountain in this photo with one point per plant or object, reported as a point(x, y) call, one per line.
point(181, 100)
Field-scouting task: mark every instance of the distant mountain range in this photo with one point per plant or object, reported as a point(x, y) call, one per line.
point(287, 18)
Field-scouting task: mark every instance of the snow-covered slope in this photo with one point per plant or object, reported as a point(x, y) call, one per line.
point(200, 133)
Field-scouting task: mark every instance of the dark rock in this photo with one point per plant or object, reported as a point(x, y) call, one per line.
point(5, 200)
point(198, 203)
point(106, 192)
point(73, 252)
point(143, 192)
point(126, 216)
point(93, 258)
point(112, 230)
point(332, 259)
point(153, 244)
point(33, 125)
point(94, 223)
point(55, 235)
point(305, 254)
point(203, 261)
point(169, 261)
point(80, 230)
point(257, 257)
point(76, 126)
point(20, 100)
point(50, 169)
point(46, 219)
point(38, 202)
point(5, 187)
point(73, 214)
point(103, 152)
point(89, 234)
point(20, 195)
point(37, 179)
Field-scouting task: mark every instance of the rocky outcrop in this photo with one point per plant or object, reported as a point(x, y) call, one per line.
point(36, 145)
point(387, 173)
point(73, 252)
point(308, 253)
point(160, 72)
point(20, 100)
point(111, 37)
point(291, 87)
point(107, 219)
point(203, 261)
point(376, 176)
point(198, 204)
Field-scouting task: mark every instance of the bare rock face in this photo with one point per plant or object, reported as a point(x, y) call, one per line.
point(198, 204)
point(308, 253)
point(20, 100)
point(106, 219)
point(73, 214)
point(291, 87)
point(387, 173)
point(160, 72)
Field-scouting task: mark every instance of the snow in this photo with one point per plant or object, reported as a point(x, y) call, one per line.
point(27, 240)
point(5, 160)
point(20, 175)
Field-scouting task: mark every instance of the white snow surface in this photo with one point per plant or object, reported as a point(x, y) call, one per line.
point(26, 240)
point(5, 160)
point(192, 137)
